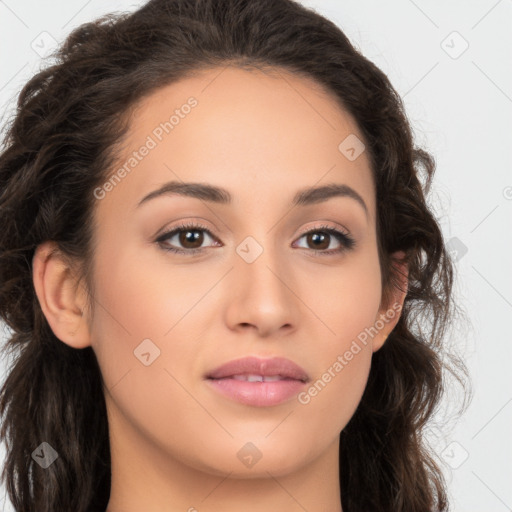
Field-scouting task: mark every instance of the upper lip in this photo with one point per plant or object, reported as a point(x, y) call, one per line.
point(257, 366)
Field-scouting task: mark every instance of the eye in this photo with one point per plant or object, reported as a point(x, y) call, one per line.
point(191, 238)
point(189, 235)
point(322, 236)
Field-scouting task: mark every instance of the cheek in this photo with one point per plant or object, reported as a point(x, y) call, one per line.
point(350, 309)
point(344, 364)
point(140, 299)
point(146, 312)
point(352, 299)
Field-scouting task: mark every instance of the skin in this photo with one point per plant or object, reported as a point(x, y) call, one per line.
point(174, 441)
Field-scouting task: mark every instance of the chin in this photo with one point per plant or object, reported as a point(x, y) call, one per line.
point(248, 461)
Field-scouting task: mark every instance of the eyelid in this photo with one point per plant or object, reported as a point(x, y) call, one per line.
point(325, 227)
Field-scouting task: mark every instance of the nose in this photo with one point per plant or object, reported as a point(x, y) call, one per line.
point(262, 296)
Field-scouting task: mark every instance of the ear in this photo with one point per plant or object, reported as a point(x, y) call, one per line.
point(62, 299)
point(389, 314)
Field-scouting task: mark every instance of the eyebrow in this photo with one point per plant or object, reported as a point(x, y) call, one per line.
point(214, 194)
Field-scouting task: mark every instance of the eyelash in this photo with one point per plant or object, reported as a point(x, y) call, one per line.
point(346, 241)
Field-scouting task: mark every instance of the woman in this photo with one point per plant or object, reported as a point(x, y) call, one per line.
point(216, 246)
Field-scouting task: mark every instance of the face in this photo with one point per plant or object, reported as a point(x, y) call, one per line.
point(259, 275)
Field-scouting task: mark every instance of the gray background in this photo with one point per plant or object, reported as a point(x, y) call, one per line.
point(459, 101)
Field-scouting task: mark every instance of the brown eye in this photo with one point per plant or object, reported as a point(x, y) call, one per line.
point(190, 239)
point(319, 239)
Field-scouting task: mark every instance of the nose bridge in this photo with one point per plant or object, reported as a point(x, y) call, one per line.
point(261, 279)
point(260, 264)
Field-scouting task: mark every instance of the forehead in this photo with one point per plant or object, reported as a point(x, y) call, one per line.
point(247, 130)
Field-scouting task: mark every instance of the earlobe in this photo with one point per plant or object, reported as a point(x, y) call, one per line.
point(388, 317)
point(59, 296)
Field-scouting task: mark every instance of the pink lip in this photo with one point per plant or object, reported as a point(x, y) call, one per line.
point(259, 394)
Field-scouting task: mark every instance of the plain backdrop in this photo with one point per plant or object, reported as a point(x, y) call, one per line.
point(451, 64)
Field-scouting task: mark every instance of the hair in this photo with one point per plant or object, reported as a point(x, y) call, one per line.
point(61, 143)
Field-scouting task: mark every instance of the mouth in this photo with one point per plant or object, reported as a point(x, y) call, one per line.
point(258, 382)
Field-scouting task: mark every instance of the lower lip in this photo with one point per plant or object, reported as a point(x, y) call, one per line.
point(258, 394)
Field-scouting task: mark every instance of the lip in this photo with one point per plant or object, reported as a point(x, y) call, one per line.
point(258, 394)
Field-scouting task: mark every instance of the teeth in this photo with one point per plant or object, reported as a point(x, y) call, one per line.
point(257, 378)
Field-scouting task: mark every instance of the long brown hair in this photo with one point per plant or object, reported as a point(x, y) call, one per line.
point(59, 146)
